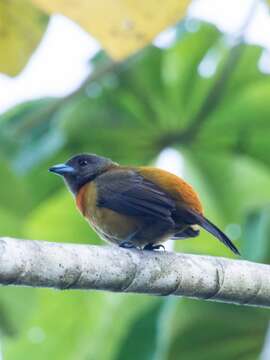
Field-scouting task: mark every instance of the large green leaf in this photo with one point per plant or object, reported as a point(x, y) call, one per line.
point(240, 126)
point(141, 338)
point(77, 325)
point(184, 87)
point(217, 331)
point(118, 322)
point(60, 326)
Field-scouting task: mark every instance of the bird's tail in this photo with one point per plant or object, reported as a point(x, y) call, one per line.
point(192, 217)
point(214, 230)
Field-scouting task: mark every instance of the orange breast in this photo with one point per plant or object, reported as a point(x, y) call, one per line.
point(80, 199)
point(176, 187)
point(109, 224)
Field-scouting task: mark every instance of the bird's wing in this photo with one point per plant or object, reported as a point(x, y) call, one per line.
point(178, 189)
point(127, 192)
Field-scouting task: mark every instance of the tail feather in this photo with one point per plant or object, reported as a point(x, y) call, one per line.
point(214, 230)
point(192, 217)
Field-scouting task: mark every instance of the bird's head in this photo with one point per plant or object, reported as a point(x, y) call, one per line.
point(81, 169)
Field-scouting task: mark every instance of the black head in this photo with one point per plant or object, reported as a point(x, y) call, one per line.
point(81, 169)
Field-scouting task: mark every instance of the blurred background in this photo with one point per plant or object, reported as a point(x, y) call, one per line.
point(189, 93)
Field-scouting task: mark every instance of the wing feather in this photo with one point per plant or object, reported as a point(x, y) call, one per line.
point(129, 193)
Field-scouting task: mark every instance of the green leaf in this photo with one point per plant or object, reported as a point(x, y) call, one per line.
point(231, 182)
point(256, 232)
point(180, 72)
point(247, 71)
point(58, 220)
point(235, 126)
point(14, 313)
point(85, 319)
point(117, 323)
point(217, 331)
point(141, 338)
point(13, 191)
point(58, 317)
point(10, 223)
point(28, 135)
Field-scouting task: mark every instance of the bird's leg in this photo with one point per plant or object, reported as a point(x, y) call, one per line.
point(160, 228)
point(126, 245)
point(153, 247)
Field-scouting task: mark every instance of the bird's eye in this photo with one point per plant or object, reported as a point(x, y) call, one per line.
point(83, 162)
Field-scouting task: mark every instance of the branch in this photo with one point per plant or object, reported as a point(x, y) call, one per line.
point(68, 266)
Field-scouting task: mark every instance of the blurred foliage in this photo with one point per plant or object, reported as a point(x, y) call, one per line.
point(217, 331)
point(128, 28)
point(257, 226)
point(209, 102)
point(21, 28)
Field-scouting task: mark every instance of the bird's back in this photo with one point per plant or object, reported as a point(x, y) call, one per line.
point(178, 189)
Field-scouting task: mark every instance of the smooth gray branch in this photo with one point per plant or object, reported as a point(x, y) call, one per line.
point(70, 266)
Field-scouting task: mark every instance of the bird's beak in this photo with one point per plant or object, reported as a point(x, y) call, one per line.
point(62, 169)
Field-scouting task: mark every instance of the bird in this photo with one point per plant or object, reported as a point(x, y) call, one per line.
point(135, 207)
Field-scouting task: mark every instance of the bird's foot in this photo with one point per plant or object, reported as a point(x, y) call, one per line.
point(126, 245)
point(153, 247)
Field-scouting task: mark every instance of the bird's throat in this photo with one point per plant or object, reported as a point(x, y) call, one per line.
point(80, 199)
